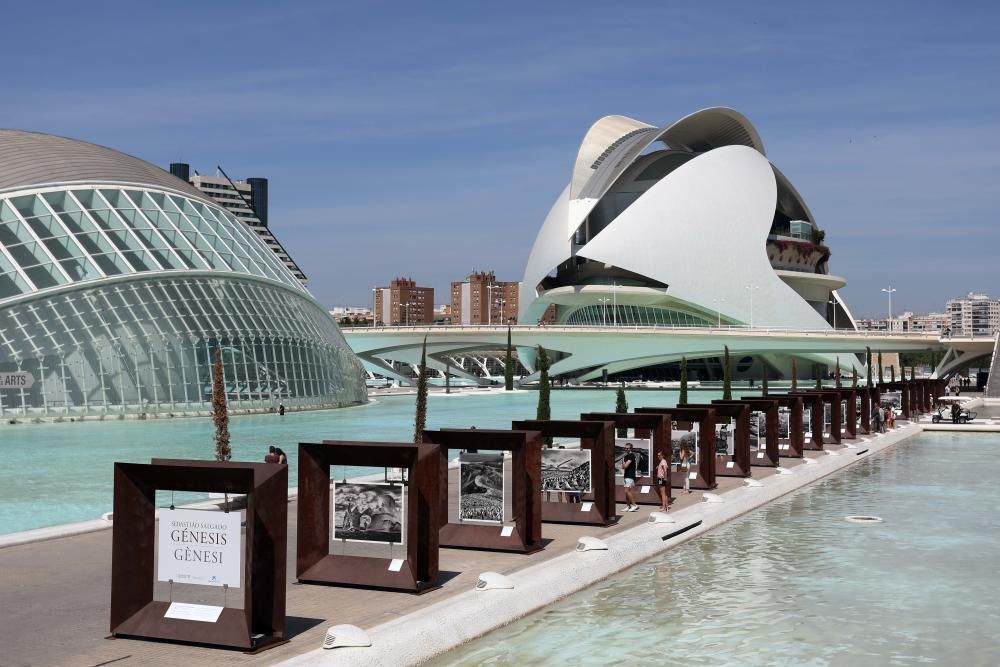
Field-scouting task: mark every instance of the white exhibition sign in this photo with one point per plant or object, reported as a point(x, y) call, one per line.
point(17, 380)
point(199, 547)
point(193, 612)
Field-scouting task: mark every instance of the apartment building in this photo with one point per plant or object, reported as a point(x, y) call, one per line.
point(404, 302)
point(482, 299)
point(973, 315)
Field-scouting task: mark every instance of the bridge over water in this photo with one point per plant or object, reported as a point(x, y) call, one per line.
point(586, 351)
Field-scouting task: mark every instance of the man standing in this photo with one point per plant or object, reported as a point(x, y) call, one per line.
point(628, 472)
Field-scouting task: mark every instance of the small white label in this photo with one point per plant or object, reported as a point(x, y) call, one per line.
point(730, 464)
point(760, 455)
point(506, 531)
point(692, 475)
point(643, 489)
point(396, 565)
point(586, 507)
point(193, 612)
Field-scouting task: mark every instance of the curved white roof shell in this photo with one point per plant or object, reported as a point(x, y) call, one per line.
point(701, 230)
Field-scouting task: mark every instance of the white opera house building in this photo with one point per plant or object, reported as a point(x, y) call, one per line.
point(119, 283)
point(684, 225)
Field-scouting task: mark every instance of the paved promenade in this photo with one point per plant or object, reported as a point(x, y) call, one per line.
point(55, 598)
point(55, 594)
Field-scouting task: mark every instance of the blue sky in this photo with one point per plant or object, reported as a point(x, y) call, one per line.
point(429, 139)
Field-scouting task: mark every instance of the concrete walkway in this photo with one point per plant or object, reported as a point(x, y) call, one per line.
point(54, 595)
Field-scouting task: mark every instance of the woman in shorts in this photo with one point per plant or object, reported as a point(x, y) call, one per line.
point(685, 466)
point(663, 481)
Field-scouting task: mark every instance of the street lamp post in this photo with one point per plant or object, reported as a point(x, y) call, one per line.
point(833, 302)
point(614, 304)
point(489, 308)
point(718, 309)
point(604, 311)
point(751, 288)
point(889, 290)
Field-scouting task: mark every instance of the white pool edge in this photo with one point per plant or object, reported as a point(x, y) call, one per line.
point(431, 631)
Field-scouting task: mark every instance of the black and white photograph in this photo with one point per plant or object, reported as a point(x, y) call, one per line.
point(640, 448)
point(758, 429)
point(827, 418)
point(725, 439)
point(784, 418)
point(807, 421)
point(481, 488)
point(566, 470)
point(368, 512)
point(843, 413)
point(680, 439)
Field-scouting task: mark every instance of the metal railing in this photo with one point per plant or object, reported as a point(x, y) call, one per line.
point(658, 328)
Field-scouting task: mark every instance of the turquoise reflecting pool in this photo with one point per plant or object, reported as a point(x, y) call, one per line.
point(61, 473)
point(793, 583)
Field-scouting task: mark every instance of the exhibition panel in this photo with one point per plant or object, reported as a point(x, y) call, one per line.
point(650, 435)
point(732, 438)
point(848, 412)
point(578, 484)
point(491, 494)
point(812, 419)
point(829, 415)
point(764, 429)
point(377, 533)
point(200, 548)
point(692, 429)
point(791, 431)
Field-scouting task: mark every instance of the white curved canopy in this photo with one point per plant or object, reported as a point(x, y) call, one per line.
point(719, 204)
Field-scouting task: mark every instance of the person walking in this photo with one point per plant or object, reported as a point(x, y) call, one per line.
point(663, 480)
point(684, 465)
point(628, 473)
point(890, 416)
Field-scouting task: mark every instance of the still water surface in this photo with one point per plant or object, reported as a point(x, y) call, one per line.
point(793, 583)
point(59, 473)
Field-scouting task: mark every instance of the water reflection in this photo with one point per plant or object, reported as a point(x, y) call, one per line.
point(794, 583)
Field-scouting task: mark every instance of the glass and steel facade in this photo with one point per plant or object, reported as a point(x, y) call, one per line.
point(116, 297)
point(629, 315)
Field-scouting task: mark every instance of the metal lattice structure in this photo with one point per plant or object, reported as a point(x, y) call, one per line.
point(118, 282)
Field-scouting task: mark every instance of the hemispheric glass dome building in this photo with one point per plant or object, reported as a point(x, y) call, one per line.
point(119, 282)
